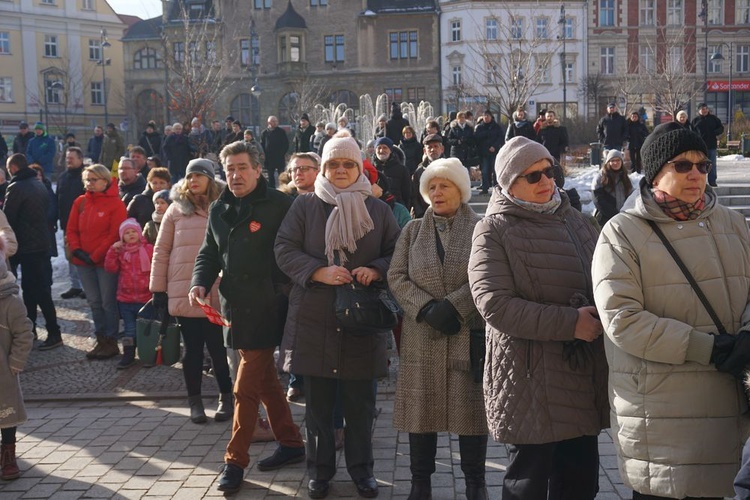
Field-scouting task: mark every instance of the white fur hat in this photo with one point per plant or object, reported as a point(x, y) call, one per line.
point(446, 168)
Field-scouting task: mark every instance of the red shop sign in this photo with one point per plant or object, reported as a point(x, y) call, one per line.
point(723, 85)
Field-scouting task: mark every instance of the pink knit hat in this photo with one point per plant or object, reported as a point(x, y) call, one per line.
point(129, 223)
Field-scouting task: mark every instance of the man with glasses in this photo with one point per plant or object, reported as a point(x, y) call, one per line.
point(710, 128)
point(304, 168)
point(131, 182)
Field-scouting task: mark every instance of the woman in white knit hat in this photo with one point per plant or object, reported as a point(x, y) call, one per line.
point(336, 235)
point(437, 389)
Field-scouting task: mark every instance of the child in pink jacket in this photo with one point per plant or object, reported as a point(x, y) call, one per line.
point(131, 258)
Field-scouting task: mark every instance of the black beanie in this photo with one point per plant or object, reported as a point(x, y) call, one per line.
point(664, 143)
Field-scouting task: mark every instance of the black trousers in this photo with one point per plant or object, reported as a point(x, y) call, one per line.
point(36, 284)
point(197, 332)
point(563, 470)
point(641, 496)
point(8, 435)
point(358, 400)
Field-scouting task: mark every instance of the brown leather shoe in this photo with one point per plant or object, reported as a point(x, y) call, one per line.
point(109, 348)
point(10, 468)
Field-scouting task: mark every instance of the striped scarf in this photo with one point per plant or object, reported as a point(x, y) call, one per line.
point(678, 209)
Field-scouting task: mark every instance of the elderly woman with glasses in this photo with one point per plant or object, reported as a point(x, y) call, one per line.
point(678, 411)
point(545, 375)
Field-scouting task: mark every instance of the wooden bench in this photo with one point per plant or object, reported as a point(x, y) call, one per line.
point(733, 145)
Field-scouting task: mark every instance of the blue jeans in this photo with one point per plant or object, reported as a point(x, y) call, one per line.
point(712, 173)
point(101, 294)
point(488, 172)
point(129, 315)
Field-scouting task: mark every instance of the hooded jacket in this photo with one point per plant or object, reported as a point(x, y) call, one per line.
point(678, 425)
point(41, 149)
point(16, 339)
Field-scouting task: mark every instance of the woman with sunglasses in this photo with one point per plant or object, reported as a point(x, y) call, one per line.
point(677, 412)
point(545, 375)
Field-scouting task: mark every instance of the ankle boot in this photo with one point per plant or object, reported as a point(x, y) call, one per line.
point(128, 354)
point(109, 348)
point(93, 353)
point(10, 468)
point(197, 412)
point(422, 450)
point(473, 451)
point(225, 411)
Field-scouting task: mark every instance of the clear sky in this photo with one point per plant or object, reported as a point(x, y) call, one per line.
point(144, 9)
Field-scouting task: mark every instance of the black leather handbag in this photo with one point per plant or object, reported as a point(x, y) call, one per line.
point(365, 310)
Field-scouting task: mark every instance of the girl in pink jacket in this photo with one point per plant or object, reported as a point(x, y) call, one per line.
point(131, 258)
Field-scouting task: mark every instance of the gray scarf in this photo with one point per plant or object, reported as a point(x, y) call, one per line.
point(349, 221)
point(543, 208)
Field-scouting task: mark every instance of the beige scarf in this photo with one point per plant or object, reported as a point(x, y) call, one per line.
point(349, 221)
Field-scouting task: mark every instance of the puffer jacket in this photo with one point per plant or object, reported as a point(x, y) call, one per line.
point(678, 425)
point(181, 234)
point(132, 280)
point(524, 269)
point(16, 339)
point(97, 226)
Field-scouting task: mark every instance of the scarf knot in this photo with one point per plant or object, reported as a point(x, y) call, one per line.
point(138, 251)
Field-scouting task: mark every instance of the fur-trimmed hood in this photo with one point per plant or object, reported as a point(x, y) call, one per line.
point(183, 204)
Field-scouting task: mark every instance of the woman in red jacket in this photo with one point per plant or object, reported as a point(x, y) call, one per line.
point(93, 226)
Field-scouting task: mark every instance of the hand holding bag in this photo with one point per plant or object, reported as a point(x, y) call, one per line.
point(365, 310)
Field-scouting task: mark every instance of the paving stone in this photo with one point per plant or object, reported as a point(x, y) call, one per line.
point(43, 490)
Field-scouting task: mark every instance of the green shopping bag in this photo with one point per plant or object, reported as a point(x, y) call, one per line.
point(156, 337)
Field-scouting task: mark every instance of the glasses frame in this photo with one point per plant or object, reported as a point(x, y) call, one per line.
point(703, 166)
point(535, 177)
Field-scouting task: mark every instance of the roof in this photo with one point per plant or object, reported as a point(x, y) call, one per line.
point(129, 20)
point(144, 30)
point(290, 19)
point(399, 6)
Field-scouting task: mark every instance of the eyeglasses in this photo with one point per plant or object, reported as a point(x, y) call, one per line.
point(91, 180)
point(535, 177)
point(334, 164)
point(303, 169)
point(685, 166)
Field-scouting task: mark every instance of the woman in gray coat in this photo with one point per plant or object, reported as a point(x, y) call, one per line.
point(338, 234)
point(428, 276)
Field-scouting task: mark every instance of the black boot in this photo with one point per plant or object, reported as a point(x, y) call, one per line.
point(473, 454)
point(128, 353)
point(197, 412)
point(422, 450)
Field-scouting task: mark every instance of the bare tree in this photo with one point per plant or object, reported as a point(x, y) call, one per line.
point(593, 88)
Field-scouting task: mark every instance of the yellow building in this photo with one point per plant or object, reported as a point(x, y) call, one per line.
point(60, 63)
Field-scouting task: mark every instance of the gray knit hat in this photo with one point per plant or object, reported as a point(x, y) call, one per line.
point(612, 154)
point(664, 143)
point(515, 157)
point(163, 194)
point(201, 166)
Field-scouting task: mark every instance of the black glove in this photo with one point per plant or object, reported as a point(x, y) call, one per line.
point(160, 300)
point(723, 345)
point(443, 317)
point(83, 256)
point(739, 357)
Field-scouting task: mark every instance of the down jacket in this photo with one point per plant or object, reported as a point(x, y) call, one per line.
point(524, 269)
point(132, 281)
point(16, 340)
point(678, 425)
point(181, 235)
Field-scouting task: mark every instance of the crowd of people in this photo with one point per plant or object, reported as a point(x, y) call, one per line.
point(535, 324)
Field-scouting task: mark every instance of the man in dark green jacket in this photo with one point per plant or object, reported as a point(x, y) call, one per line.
point(242, 227)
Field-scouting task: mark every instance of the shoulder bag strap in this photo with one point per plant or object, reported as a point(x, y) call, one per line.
point(691, 280)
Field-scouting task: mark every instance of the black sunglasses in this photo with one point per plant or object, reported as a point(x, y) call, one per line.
point(535, 177)
point(685, 166)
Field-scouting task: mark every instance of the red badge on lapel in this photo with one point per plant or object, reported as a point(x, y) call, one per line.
point(254, 226)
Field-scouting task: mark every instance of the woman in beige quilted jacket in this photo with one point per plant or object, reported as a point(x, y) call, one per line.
point(677, 418)
point(545, 371)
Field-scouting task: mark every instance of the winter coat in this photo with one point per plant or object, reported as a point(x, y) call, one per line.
point(151, 230)
point(178, 154)
point(181, 234)
point(742, 479)
point(636, 134)
point(399, 178)
point(234, 137)
point(21, 142)
point(240, 245)
point(94, 149)
point(709, 127)
point(113, 147)
point(322, 143)
point(27, 208)
point(418, 205)
point(524, 269)
point(302, 139)
point(132, 281)
point(436, 391)
point(606, 198)
point(315, 141)
point(487, 135)
point(461, 139)
point(314, 344)
point(129, 191)
point(11, 244)
point(275, 143)
point(554, 138)
point(412, 153)
point(41, 150)
point(612, 131)
point(678, 425)
point(395, 125)
point(142, 206)
point(96, 227)
point(151, 143)
point(69, 187)
point(523, 128)
point(16, 339)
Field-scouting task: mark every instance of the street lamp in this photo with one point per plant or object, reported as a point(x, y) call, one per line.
point(704, 17)
point(719, 57)
point(562, 24)
point(254, 67)
point(104, 44)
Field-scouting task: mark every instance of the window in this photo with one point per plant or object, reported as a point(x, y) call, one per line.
point(646, 59)
point(606, 12)
point(4, 42)
point(53, 89)
point(262, 4)
point(674, 12)
point(516, 28)
point(179, 52)
point(607, 63)
point(255, 51)
point(211, 52)
point(146, 58)
point(675, 60)
point(50, 45)
point(193, 52)
point(490, 26)
point(570, 72)
point(394, 95)
point(415, 94)
point(318, 3)
point(244, 52)
point(493, 76)
point(404, 45)
point(570, 28)
point(742, 60)
point(456, 30)
point(742, 12)
point(95, 49)
point(715, 11)
point(713, 66)
point(87, 4)
point(6, 89)
point(646, 12)
point(456, 73)
point(48, 2)
point(197, 11)
point(97, 94)
point(334, 48)
point(542, 27)
point(542, 65)
point(295, 47)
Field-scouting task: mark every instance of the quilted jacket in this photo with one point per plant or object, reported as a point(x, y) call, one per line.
point(16, 340)
point(132, 280)
point(678, 425)
point(524, 269)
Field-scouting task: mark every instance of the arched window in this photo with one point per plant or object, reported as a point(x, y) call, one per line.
point(149, 105)
point(245, 108)
point(288, 108)
point(347, 97)
point(146, 58)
